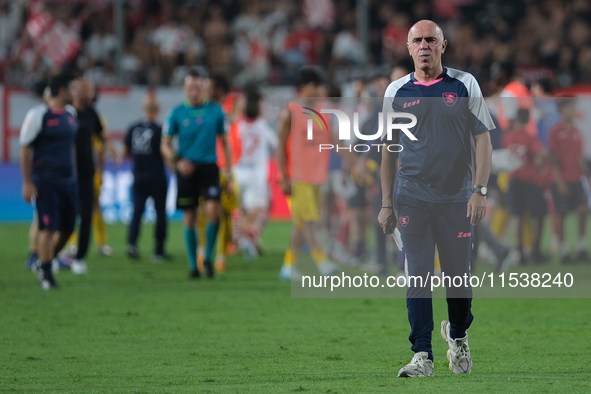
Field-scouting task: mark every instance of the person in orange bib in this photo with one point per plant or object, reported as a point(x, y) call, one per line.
point(303, 168)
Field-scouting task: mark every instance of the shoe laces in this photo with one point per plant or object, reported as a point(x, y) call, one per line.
point(419, 360)
point(461, 348)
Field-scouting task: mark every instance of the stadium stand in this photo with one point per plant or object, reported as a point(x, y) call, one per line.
point(267, 41)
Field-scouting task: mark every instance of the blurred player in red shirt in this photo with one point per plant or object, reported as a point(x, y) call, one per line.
point(526, 194)
point(568, 165)
point(252, 172)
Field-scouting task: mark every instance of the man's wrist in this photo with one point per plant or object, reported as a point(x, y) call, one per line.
point(482, 190)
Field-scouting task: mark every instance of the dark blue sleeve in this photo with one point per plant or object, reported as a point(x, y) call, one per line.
point(475, 125)
point(496, 135)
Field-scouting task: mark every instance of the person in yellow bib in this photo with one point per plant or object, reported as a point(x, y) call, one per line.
point(303, 169)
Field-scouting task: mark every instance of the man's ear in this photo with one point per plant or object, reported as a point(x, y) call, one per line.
point(443, 46)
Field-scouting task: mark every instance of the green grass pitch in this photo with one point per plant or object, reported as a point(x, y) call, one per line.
point(138, 327)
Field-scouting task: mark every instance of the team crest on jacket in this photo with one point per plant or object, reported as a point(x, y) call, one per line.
point(404, 221)
point(450, 99)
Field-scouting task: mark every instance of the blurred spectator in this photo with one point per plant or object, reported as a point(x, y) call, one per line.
point(301, 45)
point(138, 56)
point(100, 50)
point(347, 47)
point(266, 41)
point(216, 33)
point(275, 29)
point(25, 63)
point(394, 35)
point(216, 27)
point(250, 47)
point(175, 45)
point(10, 22)
point(257, 66)
point(584, 65)
point(319, 14)
point(546, 111)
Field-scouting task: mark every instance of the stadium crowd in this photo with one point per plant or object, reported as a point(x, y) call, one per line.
point(267, 41)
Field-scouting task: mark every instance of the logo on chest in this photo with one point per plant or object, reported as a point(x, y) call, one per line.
point(450, 99)
point(411, 103)
point(53, 122)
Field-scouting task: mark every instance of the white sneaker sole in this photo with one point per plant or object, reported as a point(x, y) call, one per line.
point(417, 370)
point(410, 374)
point(77, 270)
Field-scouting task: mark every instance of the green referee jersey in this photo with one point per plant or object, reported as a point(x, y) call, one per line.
point(197, 129)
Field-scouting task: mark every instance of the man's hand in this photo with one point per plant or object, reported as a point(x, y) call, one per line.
point(476, 208)
point(388, 220)
point(185, 167)
point(285, 186)
point(29, 191)
point(563, 189)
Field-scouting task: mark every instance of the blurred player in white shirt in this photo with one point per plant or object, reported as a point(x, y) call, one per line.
point(252, 171)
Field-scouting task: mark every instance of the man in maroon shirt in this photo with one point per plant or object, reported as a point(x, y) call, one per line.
point(568, 167)
point(526, 194)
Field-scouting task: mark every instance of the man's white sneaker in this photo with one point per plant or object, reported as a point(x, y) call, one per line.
point(458, 354)
point(328, 268)
point(72, 250)
point(420, 366)
point(55, 266)
point(512, 259)
point(289, 272)
point(45, 278)
point(79, 267)
point(248, 248)
point(105, 250)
